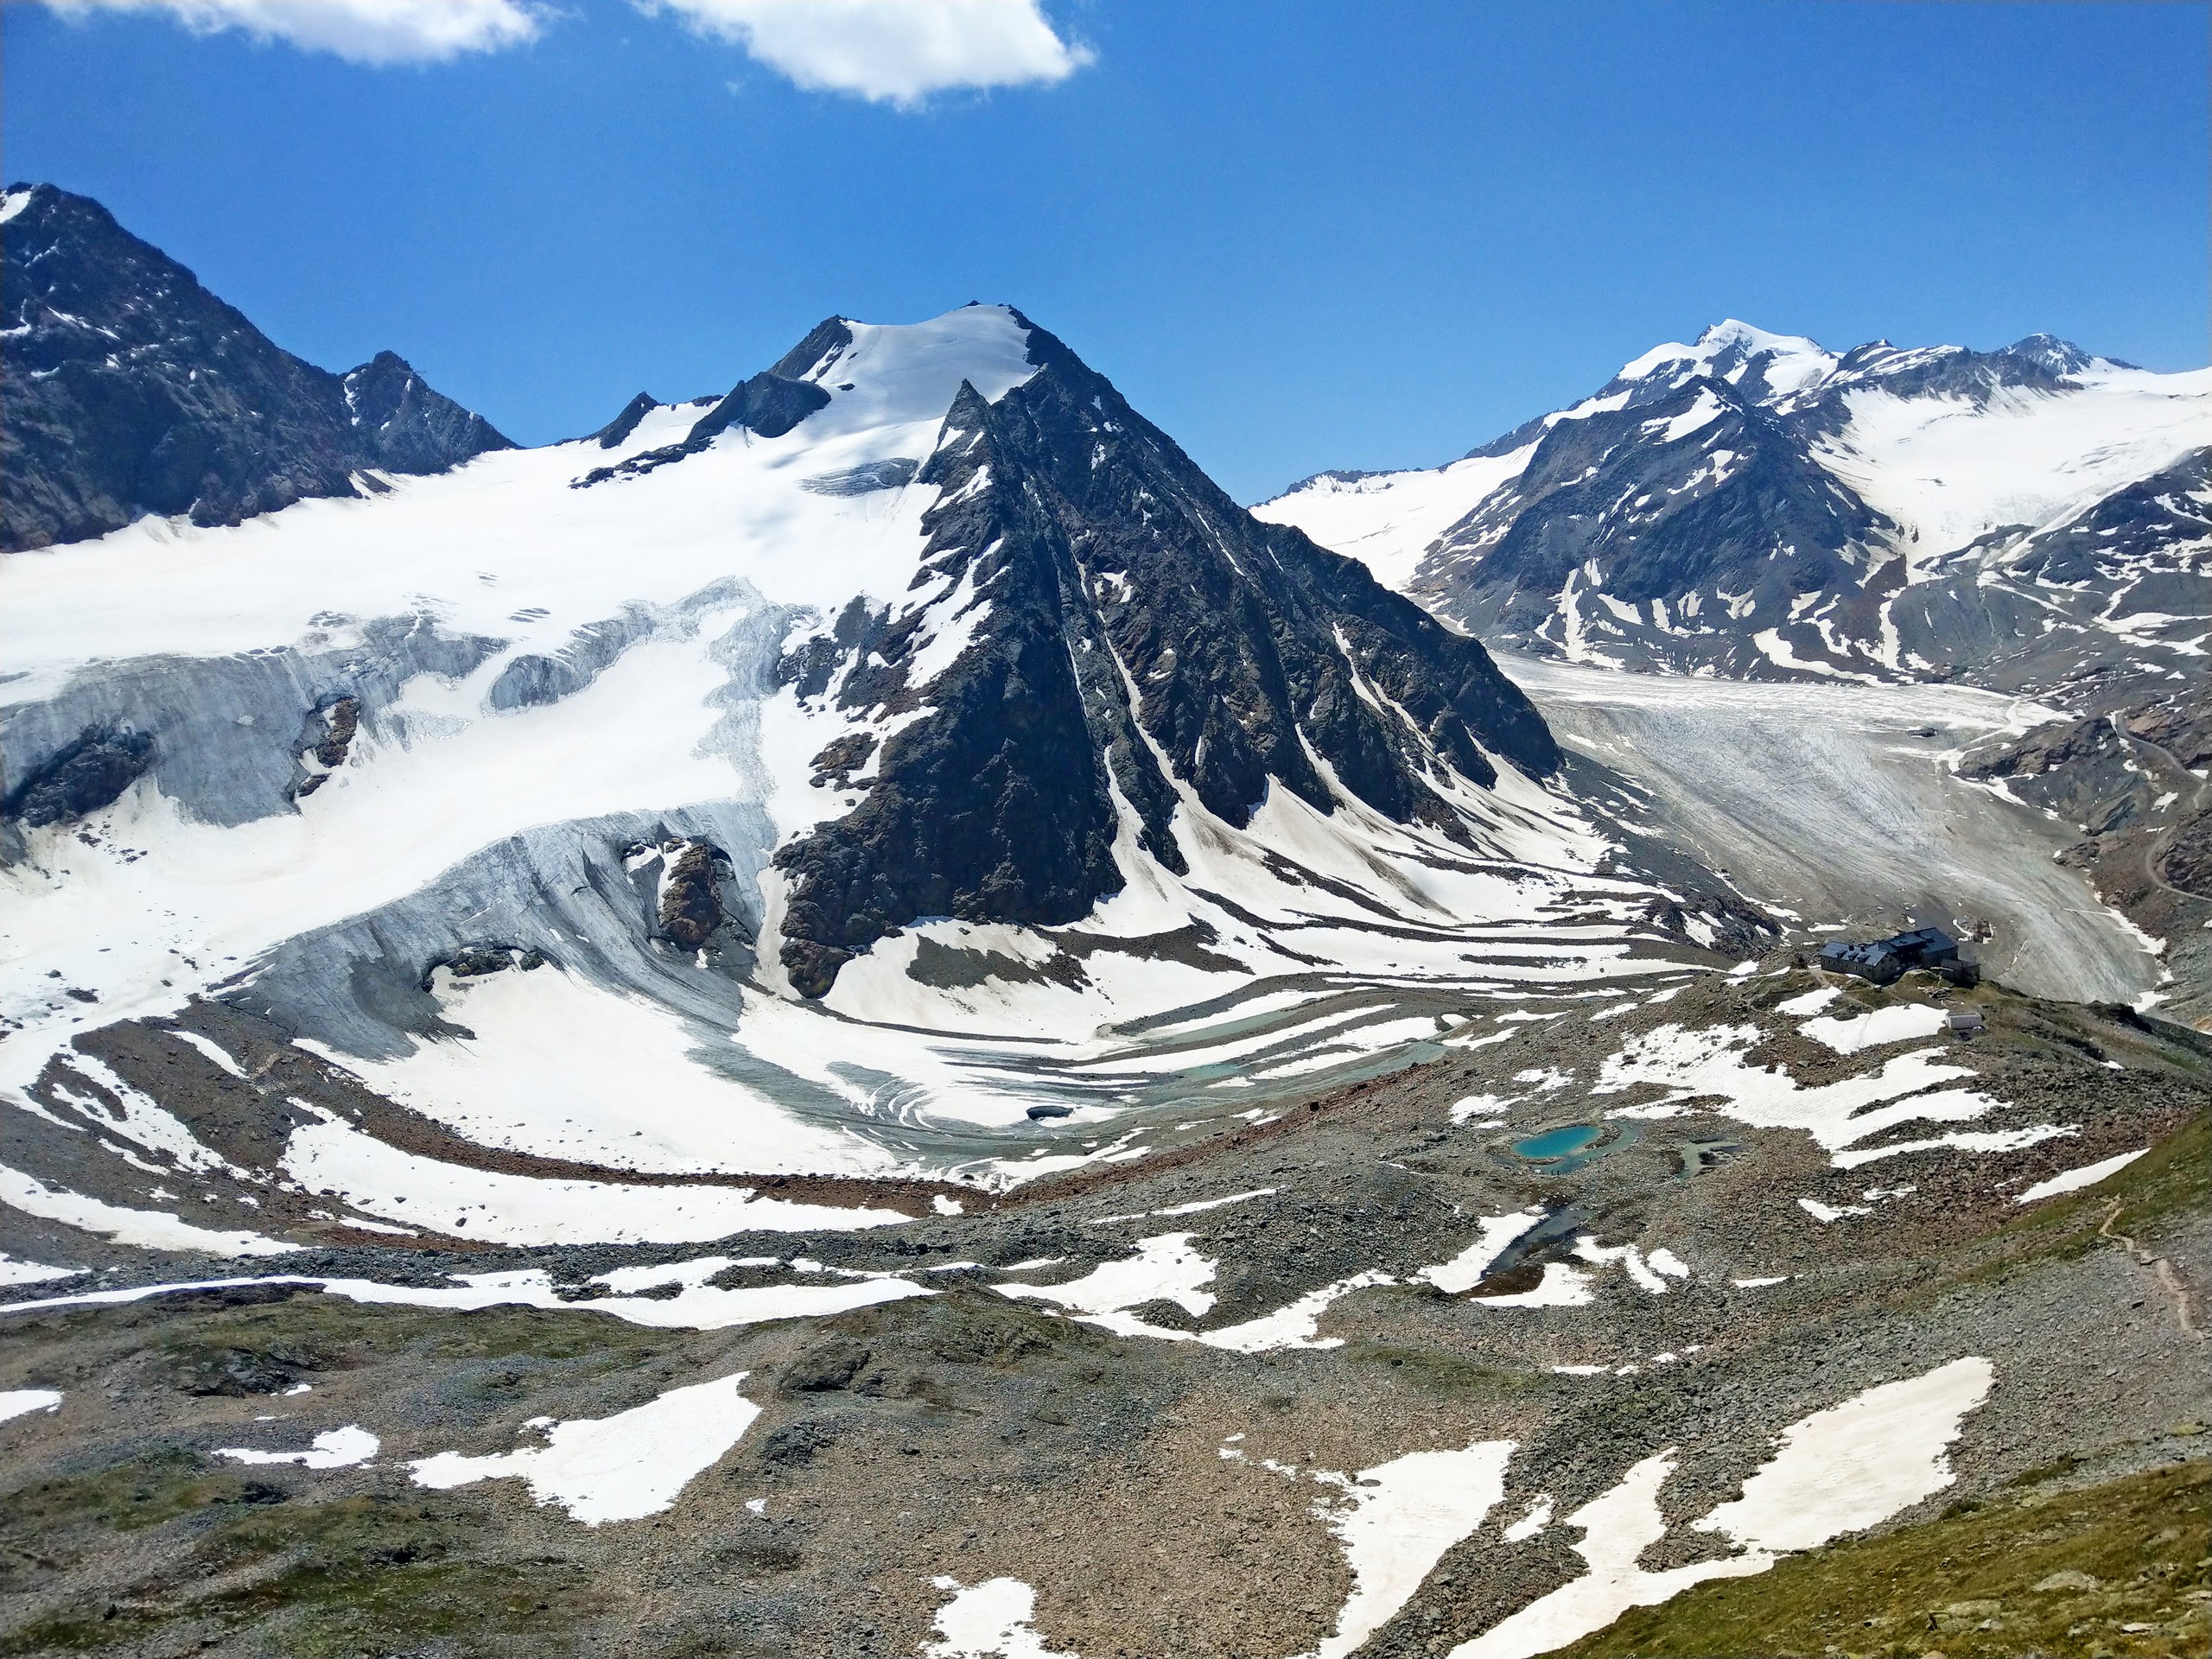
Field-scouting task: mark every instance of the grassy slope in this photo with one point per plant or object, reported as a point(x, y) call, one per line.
point(1965, 1585)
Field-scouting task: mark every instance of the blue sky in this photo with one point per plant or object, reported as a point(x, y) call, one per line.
point(1296, 235)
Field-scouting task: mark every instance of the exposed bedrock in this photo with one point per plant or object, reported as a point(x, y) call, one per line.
point(694, 904)
point(131, 389)
point(474, 961)
point(80, 777)
point(326, 738)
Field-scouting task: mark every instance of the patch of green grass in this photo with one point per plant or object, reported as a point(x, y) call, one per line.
point(361, 1570)
point(342, 1577)
point(2122, 1560)
point(2174, 1177)
point(333, 1325)
point(140, 1491)
point(1446, 1373)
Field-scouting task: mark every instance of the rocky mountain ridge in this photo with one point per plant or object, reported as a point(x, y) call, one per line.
point(131, 389)
point(1134, 633)
point(1755, 506)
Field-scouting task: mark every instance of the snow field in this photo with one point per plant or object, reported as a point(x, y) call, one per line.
point(337, 1448)
point(2073, 1180)
point(1811, 1003)
point(1168, 1267)
point(13, 1271)
point(1847, 1468)
point(625, 1467)
point(1959, 1140)
point(1497, 1235)
point(1395, 1521)
point(333, 1158)
point(1838, 1115)
point(1165, 1268)
point(989, 1620)
point(562, 1068)
point(1837, 1472)
point(1948, 472)
point(1618, 1527)
point(21, 1402)
point(151, 1230)
point(1390, 520)
point(1899, 1022)
point(1562, 1286)
point(1191, 1208)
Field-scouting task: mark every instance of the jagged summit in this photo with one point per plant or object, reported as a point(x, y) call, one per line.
point(130, 389)
point(409, 425)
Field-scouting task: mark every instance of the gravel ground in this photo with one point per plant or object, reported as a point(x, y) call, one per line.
point(973, 1435)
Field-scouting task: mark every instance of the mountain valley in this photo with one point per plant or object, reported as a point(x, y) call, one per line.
point(861, 1018)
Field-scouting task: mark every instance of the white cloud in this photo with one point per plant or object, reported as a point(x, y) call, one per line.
point(360, 31)
point(890, 51)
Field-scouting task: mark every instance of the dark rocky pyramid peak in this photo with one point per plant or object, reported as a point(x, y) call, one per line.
point(411, 426)
point(1145, 636)
point(811, 359)
point(612, 435)
point(129, 389)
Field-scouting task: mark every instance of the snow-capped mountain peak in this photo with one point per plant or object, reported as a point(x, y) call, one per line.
point(889, 374)
point(1739, 353)
point(1753, 504)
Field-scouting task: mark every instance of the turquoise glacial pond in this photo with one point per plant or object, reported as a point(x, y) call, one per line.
point(1563, 1142)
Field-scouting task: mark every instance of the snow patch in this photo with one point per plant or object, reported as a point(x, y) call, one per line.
point(21, 1402)
point(2073, 1180)
point(619, 1468)
point(337, 1448)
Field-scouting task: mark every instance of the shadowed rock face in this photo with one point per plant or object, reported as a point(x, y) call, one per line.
point(1659, 519)
point(769, 403)
point(85, 776)
point(129, 389)
point(1139, 626)
point(1735, 508)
